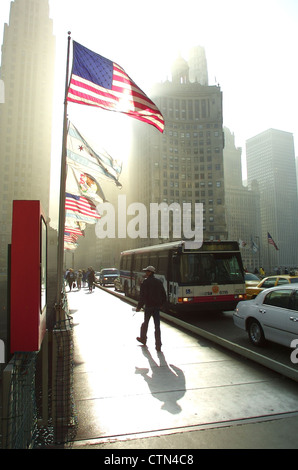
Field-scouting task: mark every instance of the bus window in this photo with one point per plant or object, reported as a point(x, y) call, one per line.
point(228, 269)
point(154, 262)
point(138, 263)
point(197, 268)
point(204, 269)
point(163, 264)
point(125, 263)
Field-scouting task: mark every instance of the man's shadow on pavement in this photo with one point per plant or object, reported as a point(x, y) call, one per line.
point(167, 382)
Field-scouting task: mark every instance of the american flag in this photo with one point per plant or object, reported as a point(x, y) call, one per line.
point(81, 205)
point(70, 237)
point(271, 241)
point(70, 246)
point(97, 81)
point(74, 231)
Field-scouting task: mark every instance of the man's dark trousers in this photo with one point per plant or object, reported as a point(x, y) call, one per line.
point(154, 312)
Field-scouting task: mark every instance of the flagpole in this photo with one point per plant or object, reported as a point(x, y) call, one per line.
point(62, 191)
point(269, 260)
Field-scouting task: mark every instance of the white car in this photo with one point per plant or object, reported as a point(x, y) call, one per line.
point(272, 315)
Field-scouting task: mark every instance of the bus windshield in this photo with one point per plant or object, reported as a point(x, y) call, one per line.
point(211, 268)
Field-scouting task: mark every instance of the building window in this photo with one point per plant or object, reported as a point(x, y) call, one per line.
point(197, 109)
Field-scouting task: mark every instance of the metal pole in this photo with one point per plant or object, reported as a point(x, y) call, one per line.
point(259, 249)
point(62, 189)
point(45, 379)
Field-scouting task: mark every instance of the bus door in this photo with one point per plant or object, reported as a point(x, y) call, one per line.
point(138, 275)
point(173, 279)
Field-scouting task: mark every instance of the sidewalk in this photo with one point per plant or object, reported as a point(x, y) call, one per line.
point(192, 395)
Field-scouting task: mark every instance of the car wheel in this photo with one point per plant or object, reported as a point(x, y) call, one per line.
point(255, 333)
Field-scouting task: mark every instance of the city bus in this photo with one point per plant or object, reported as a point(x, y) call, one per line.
point(210, 277)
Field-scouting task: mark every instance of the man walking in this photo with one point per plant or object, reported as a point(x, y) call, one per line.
point(153, 296)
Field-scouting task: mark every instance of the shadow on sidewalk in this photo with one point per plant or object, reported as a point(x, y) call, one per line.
point(167, 382)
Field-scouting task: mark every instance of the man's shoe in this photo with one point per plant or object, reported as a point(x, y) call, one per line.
point(141, 340)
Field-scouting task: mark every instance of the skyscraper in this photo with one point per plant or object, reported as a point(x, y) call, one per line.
point(198, 70)
point(27, 71)
point(242, 206)
point(271, 162)
point(185, 164)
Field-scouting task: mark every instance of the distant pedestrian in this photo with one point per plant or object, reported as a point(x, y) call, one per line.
point(90, 279)
point(70, 277)
point(84, 277)
point(79, 279)
point(153, 296)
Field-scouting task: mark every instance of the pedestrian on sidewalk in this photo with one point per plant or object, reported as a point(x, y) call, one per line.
point(153, 296)
point(90, 279)
point(79, 279)
point(84, 278)
point(71, 278)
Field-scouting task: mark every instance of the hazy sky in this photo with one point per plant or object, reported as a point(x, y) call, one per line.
point(251, 48)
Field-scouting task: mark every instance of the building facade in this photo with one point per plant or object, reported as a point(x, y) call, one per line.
point(27, 83)
point(271, 163)
point(27, 71)
point(185, 163)
point(242, 206)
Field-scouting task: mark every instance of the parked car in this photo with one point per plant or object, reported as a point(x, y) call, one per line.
point(107, 276)
point(272, 315)
point(118, 285)
point(270, 281)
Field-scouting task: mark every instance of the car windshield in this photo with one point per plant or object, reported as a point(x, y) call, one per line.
point(251, 277)
point(110, 271)
point(270, 282)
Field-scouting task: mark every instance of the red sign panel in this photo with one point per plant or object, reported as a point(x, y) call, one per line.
point(28, 276)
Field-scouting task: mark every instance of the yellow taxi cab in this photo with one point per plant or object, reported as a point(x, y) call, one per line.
point(251, 280)
point(270, 281)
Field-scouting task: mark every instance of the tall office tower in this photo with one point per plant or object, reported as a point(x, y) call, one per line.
point(198, 70)
point(27, 70)
point(242, 205)
point(232, 161)
point(185, 163)
point(271, 162)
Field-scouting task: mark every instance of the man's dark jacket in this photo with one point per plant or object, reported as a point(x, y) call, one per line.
point(152, 293)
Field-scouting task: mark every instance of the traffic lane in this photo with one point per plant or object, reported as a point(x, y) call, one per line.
point(223, 331)
point(223, 325)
